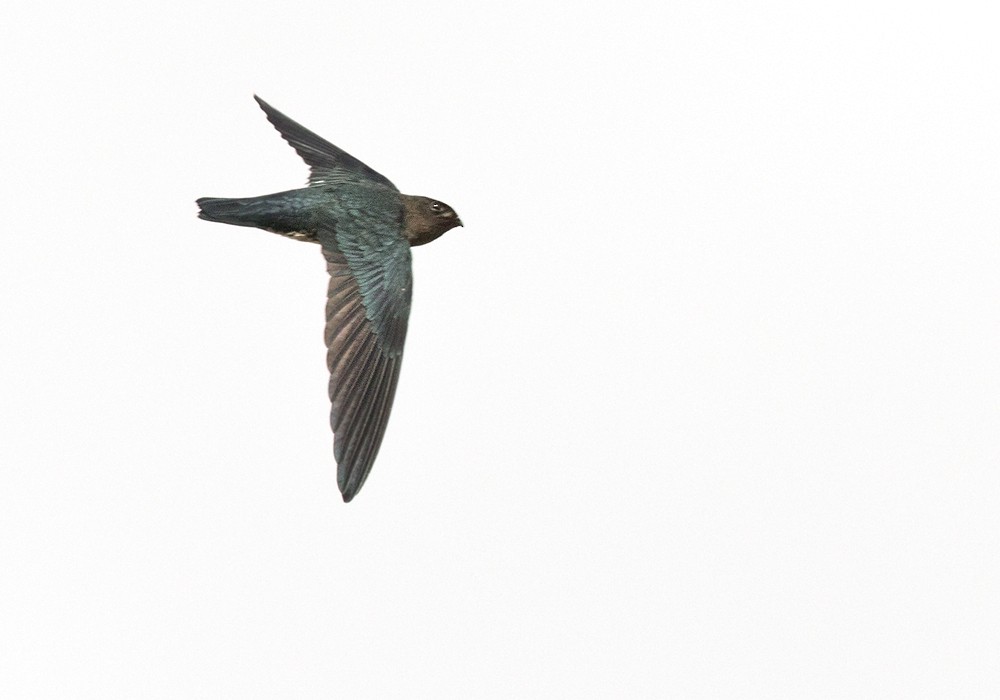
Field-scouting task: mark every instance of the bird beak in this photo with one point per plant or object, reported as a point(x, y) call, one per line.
point(458, 222)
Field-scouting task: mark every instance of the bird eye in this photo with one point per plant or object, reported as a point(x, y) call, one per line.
point(437, 207)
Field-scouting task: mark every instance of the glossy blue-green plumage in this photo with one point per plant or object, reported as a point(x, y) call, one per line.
point(365, 228)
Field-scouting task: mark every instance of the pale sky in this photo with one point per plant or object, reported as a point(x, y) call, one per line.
point(701, 402)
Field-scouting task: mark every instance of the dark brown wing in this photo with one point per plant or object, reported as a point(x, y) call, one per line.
point(328, 164)
point(367, 309)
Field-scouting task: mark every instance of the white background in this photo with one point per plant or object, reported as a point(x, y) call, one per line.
point(702, 402)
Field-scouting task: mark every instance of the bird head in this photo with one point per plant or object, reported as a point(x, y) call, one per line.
point(426, 219)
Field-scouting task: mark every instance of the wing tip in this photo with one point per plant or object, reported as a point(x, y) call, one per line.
point(268, 109)
point(348, 487)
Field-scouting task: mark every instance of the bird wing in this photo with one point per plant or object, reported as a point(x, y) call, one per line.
point(367, 309)
point(327, 163)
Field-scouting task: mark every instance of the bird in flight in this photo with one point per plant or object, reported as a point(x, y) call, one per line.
point(365, 228)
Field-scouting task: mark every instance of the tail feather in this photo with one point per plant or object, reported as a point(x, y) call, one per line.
point(239, 212)
point(286, 213)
